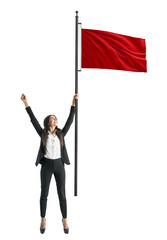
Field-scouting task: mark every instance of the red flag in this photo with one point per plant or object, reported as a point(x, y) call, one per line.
point(101, 49)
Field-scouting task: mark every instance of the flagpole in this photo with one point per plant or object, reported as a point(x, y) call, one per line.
point(76, 107)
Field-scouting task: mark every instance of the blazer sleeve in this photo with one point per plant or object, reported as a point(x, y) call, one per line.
point(34, 121)
point(69, 120)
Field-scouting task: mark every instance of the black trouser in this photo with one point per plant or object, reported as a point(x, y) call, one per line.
point(56, 167)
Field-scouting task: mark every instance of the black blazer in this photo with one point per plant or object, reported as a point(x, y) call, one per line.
point(38, 128)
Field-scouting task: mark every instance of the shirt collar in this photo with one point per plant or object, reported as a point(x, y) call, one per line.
point(51, 133)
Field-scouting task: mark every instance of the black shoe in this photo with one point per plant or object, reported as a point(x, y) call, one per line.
point(65, 230)
point(42, 230)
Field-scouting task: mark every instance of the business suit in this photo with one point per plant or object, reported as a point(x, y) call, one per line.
point(50, 166)
point(65, 129)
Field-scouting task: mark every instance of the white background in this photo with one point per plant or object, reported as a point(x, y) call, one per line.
point(122, 121)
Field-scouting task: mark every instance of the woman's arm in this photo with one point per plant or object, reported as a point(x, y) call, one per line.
point(34, 121)
point(71, 116)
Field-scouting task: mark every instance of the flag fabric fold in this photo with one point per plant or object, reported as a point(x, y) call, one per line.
point(107, 50)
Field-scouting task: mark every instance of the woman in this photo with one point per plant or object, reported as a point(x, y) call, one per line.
point(52, 155)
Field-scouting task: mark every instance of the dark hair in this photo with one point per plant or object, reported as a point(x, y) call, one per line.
point(46, 129)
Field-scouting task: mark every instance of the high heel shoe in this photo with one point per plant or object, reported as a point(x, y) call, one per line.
point(42, 230)
point(66, 230)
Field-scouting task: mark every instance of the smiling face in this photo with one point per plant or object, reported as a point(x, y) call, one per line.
point(53, 121)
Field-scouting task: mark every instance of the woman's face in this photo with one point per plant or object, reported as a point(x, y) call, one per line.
point(53, 121)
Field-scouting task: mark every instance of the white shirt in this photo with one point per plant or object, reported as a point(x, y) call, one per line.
point(53, 149)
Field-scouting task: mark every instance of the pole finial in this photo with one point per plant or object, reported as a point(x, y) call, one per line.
point(76, 13)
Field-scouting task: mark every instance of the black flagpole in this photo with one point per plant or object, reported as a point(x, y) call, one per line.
point(76, 106)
